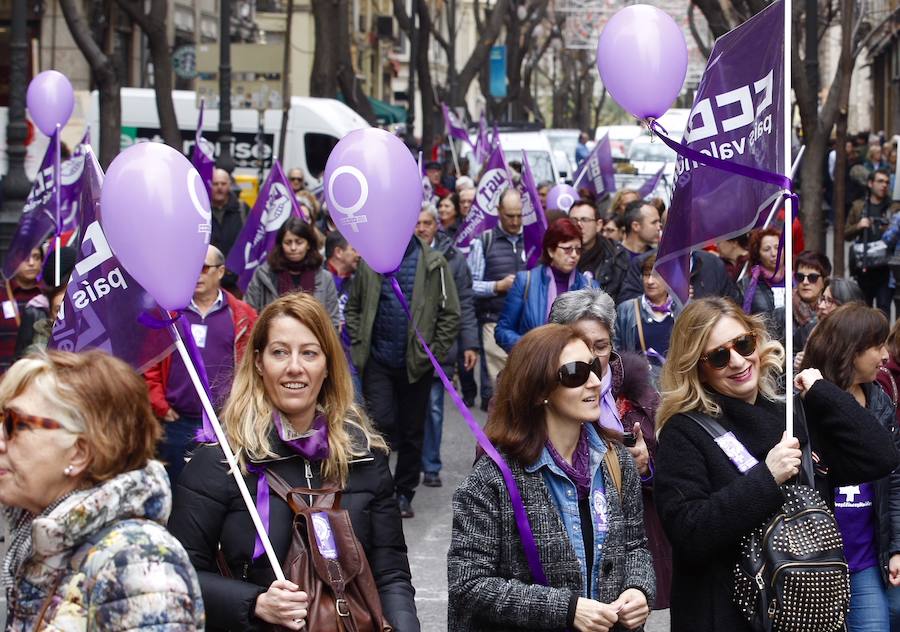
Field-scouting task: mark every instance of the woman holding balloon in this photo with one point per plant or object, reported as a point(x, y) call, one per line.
point(294, 265)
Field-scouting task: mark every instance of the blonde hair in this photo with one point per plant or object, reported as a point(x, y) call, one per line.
point(680, 384)
point(102, 401)
point(247, 416)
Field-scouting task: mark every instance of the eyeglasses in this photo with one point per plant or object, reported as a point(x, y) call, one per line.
point(14, 421)
point(571, 249)
point(718, 358)
point(601, 348)
point(295, 179)
point(812, 277)
point(207, 267)
point(582, 220)
point(828, 300)
point(575, 374)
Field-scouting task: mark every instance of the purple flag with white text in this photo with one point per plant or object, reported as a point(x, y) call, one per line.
point(203, 154)
point(737, 116)
point(454, 128)
point(38, 220)
point(534, 222)
point(495, 179)
point(103, 302)
point(274, 205)
point(597, 173)
point(650, 183)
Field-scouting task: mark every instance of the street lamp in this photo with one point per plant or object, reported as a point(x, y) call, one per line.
point(226, 160)
point(16, 185)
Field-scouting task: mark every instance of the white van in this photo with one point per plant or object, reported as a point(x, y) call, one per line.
point(314, 128)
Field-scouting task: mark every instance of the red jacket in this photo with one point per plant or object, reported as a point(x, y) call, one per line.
point(157, 376)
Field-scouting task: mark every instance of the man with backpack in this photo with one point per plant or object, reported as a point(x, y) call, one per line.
point(494, 259)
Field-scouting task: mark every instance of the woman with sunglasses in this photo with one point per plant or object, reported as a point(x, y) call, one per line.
point(85, 502)
point(848, 348)
point(722, 363)
point(811, 276)
point(581, 494)
point(532, 293)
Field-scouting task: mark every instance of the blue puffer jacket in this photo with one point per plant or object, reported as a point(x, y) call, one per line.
point(526, 304)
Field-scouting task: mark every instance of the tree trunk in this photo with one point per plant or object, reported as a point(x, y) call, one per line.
point(153, 24)
point(426, 86)
point(840, 166)
point(332, 63)
point(478, 60)
point(104, 75)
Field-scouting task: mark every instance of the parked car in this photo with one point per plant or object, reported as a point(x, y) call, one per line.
point(620, 138)
point(647, 155)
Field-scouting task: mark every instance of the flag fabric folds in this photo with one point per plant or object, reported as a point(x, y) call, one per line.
point(483, 215)
point(597, 173)
point(454, 128)
point(203, 154)
point(534, 222)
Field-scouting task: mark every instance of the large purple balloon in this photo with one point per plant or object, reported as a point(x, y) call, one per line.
point(155, 215)
point(374, 192)
point(561, 198)
point(50, 100)
point(642, 59)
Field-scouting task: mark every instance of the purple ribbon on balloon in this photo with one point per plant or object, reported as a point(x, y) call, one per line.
point(524, 526)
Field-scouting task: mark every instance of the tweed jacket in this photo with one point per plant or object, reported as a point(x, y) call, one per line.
point(489, 583)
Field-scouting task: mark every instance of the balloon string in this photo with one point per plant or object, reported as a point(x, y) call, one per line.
point(524, 526)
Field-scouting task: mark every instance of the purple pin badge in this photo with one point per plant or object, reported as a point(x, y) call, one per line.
point(324, 536)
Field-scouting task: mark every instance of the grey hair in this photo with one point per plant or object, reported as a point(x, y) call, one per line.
point(428, 207)
point(570, 307)
point(218, 257)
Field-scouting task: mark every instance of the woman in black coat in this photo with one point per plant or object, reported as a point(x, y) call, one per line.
point(848, 348)
point(290, 412)
point(722, 363)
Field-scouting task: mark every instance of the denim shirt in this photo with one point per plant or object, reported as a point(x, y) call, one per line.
point(565, 496)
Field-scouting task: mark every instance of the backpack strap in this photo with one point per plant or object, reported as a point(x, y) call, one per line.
point(328, 497)
point(615, 469)
point(640, 324)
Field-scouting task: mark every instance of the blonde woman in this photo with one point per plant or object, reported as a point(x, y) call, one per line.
point(723, 364)
point(290, 412)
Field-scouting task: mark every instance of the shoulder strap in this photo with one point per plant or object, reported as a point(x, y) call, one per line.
point(328, 497)
point(615, 469)
point(640, 324)
point(487, 238)
point(710, 425)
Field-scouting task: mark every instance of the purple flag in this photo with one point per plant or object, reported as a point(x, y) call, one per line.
point(737, 116)
point(454, 128)
point(597, 173)
point(38, 219)
point(651, 182)
point(203, 154)
point(276, 202)
point(103, 302)
point(483, 215)
point(534, 222)
point(482, 148)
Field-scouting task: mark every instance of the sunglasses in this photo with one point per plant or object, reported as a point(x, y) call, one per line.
point(207, 267)
point(719, 357)
point(14, 421)
point(575, 374)
point(812, 277)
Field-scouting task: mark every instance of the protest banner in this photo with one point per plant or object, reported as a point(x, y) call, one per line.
point(495, 179)
point(597, 173)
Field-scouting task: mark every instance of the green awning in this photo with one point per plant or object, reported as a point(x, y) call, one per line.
point(385, 113)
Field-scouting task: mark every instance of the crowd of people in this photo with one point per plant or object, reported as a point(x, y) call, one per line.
point(591, 376)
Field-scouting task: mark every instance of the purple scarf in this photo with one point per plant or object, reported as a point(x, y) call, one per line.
point(552, 292)
point(312, 446)
point(579, 472)
point(609, 411)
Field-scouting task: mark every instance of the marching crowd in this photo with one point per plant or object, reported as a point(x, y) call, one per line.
point(645, 442)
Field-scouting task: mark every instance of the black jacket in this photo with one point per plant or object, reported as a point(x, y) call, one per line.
point(208, 510)
point(887, 488)
point(227, 222)
point(708, 276)
point(707, 506)
point(608, 262)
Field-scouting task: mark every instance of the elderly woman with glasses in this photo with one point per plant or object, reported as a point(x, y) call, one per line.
point(582, 497)
point(628, 406)
point(722, 364)
point(86, 503)
point(533, 291)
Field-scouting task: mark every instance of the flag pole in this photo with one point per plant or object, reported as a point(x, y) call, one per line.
point(229, 454)
point(453, 153)
point(788, 229)
point(57, 181)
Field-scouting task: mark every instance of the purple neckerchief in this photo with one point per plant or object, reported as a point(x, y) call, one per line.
point(526, 535)
point(665, 308)
point(552, 291)
point(579, 472)
point(609, 412)
point(312, 446)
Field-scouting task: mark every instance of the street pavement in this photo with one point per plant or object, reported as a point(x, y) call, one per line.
point(428, 533)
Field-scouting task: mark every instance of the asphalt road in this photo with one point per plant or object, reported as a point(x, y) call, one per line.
point(428, 533)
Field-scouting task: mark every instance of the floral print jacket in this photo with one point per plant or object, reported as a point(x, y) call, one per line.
point(102, 560)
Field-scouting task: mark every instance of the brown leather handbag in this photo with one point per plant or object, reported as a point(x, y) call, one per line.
point(328, 563)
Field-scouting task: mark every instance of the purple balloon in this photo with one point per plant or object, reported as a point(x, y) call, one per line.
point(50, 100)
point(155, 215)
point(642, 59)
point(374, 192)
point(561, 198)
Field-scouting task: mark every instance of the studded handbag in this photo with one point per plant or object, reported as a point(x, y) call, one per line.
point(791, 575)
